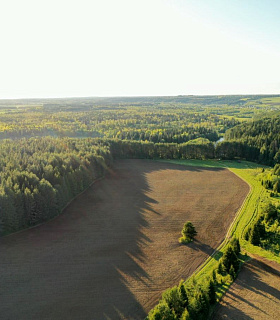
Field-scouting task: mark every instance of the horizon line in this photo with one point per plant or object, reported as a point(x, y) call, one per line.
point(140, 96)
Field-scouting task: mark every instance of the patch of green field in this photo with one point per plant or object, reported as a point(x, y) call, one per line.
point(271, 100)
point(230, 164)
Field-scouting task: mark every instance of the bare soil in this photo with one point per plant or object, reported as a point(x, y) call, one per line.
point(254, 295)
point(115, 248)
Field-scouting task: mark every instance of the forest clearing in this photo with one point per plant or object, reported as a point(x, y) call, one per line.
point(115, 247)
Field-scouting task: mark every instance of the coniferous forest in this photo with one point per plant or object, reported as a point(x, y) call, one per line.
point(51, 150)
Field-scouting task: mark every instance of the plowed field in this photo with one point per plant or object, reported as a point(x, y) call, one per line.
point(254, 295)
point(115, 248)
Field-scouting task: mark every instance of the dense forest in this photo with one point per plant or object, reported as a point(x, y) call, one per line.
point(40, 176)
point(262, 134)
point(155, 123)
point(155, 119)
point(53, 149)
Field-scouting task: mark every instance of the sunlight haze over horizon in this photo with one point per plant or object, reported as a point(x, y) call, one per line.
point(139, 48)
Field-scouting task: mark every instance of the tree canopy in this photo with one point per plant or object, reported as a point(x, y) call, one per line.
point(188, 233)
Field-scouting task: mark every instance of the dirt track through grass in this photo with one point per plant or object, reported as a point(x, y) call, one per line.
point(254, 295)
point(115, 248)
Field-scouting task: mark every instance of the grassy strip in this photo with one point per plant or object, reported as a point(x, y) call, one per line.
point(247, 171)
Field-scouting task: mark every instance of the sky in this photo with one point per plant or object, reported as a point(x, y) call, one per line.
point(83, 48)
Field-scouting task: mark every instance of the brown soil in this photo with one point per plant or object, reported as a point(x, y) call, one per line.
point(254, 295)
point(115, 248)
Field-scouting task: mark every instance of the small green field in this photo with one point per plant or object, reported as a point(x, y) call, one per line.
point(230, 164)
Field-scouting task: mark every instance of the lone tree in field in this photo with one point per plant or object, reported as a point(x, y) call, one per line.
point(188, 233)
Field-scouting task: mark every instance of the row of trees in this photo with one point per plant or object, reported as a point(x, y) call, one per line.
point(185, 302)
point(174, 135)
point(58, 169)
point(194, 149)
point(229, 264)
point(46, 173)
point(192, 300)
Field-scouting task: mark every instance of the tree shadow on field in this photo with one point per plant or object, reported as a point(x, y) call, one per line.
point(199, 246)
point(89, 263)
point(199, 167)
point(231, 313)
point(235, 305)
point(256, 284)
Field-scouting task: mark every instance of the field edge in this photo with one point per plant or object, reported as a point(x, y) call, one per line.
point(247, 212)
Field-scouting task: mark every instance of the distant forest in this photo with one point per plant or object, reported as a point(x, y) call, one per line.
point(53, 149)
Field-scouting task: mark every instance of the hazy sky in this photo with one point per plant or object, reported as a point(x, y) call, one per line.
point(138, 47)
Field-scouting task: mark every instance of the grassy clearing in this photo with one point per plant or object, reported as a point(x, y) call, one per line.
point(246, 214)
point(230, 164)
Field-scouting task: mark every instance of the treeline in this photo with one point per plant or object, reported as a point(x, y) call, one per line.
point(174, 135)
point(158, 120)
point(38, 177)
point(192, 300)
point(262, 135)
point(195, 149)
point(230, 150)
point(254, 141)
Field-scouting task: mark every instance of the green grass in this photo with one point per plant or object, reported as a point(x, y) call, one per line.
point(231, 164)
point(246, 214)
point(271, 100)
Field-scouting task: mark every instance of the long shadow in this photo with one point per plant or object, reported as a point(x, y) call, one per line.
point(235, 305)
point(83, 264)
point(76, 266)
point(257, 285)
point(231, 313)
point(239, 298)
point(200, 246)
